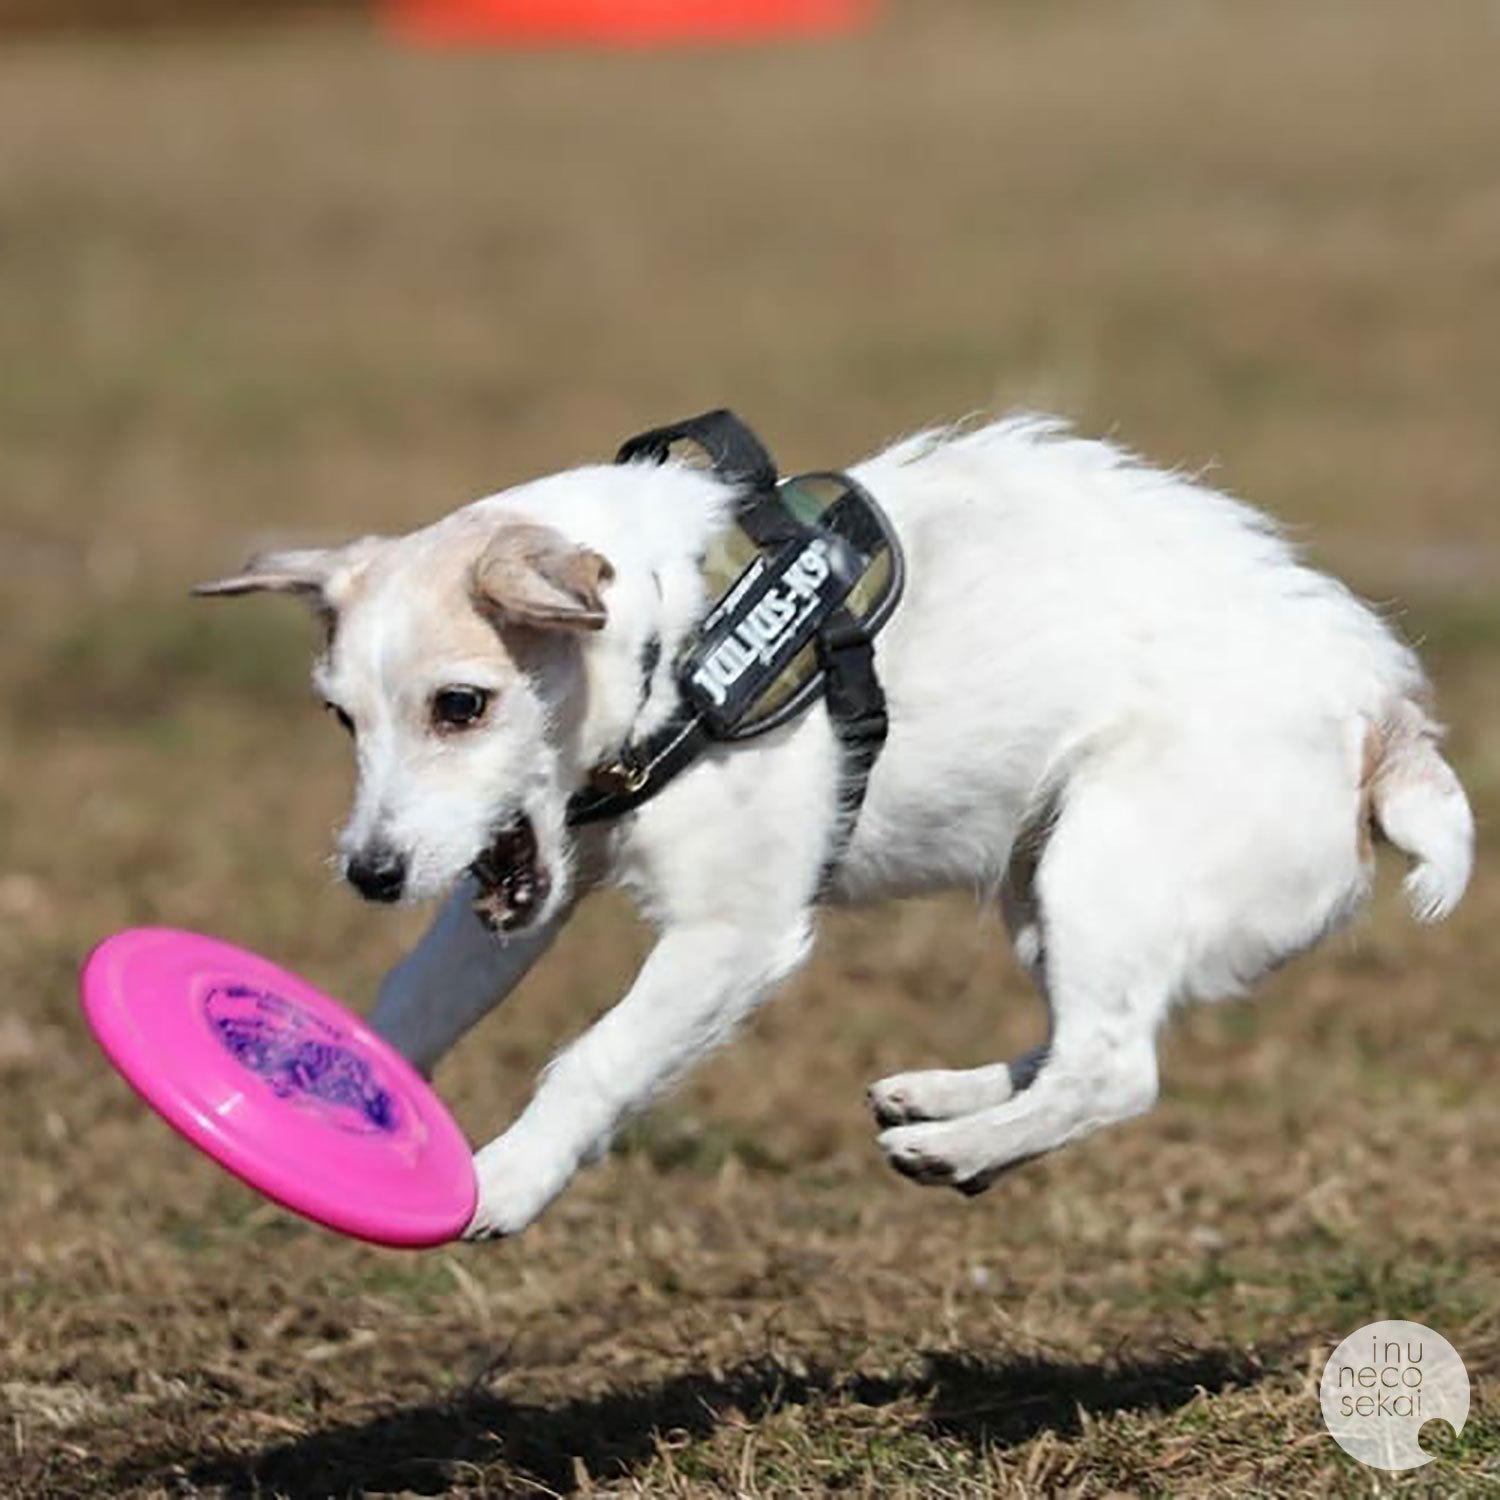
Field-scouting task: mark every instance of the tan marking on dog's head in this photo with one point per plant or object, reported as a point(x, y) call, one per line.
point(328, 578)
point(484, 609)
point(530, 574)
point(325, 574)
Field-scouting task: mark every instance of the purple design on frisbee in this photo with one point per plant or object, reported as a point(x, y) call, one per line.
point(281, 1085)
point(300, 1056)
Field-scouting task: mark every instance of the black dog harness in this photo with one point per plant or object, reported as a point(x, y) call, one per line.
point(806, 578)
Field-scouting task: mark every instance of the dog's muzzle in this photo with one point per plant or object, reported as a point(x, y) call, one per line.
point(513, 882)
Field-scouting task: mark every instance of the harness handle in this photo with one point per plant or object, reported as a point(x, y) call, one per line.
point(735, 452)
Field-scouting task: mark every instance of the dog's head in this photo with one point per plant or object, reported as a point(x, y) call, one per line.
point(453, 660)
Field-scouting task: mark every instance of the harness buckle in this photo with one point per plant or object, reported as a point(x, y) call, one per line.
point(619, 777)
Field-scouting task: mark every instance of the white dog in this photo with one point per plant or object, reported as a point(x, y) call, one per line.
point(1120, 705)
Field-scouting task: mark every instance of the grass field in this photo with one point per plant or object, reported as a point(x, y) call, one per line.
point(290, 284)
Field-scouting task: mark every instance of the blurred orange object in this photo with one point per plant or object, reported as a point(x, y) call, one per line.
point(625, 23)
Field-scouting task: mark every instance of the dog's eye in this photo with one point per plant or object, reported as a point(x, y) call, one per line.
point(459, 707)
point(342, 716)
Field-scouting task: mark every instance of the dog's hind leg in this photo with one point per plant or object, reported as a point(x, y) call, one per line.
point(1170, 871)
point(1099, 1068)
point(947, 1093)
point(1078, 1090)
point(1109, 895)
point(941, 1094)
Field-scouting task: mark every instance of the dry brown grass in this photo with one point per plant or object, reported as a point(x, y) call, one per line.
point(298, 285)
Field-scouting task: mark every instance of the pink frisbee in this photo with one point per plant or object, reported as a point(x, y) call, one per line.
point(281, 1085)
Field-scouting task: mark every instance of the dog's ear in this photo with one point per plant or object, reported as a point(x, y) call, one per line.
point(315, 573)
point(530, 574)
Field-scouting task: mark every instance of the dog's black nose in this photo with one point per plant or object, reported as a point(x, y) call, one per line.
point(378, 873)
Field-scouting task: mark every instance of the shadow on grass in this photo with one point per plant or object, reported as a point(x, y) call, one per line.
point(527, 1449)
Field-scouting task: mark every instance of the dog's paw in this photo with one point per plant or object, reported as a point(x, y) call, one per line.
point(933, 1156)
point(515, 1185)
point(891, 1100)
point(939, 1093)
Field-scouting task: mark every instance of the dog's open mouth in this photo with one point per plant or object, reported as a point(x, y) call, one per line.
point(513, 883)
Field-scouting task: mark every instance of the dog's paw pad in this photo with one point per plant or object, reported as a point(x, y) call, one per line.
point(892, 1102)
point(913, 1158)
point(927, 1154)
point(939, 1094)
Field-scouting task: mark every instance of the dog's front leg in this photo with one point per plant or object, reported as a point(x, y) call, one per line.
point(698, 983)
point(454, 977)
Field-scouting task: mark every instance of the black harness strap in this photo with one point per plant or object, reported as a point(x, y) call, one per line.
point(856, 708)
point(844, 649)
point(641, 770)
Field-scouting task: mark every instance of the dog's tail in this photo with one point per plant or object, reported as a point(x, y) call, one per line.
point(1417, 803)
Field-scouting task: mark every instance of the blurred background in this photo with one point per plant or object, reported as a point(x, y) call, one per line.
point(266, 274)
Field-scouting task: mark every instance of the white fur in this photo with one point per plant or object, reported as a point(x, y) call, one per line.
point(1120, 705)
